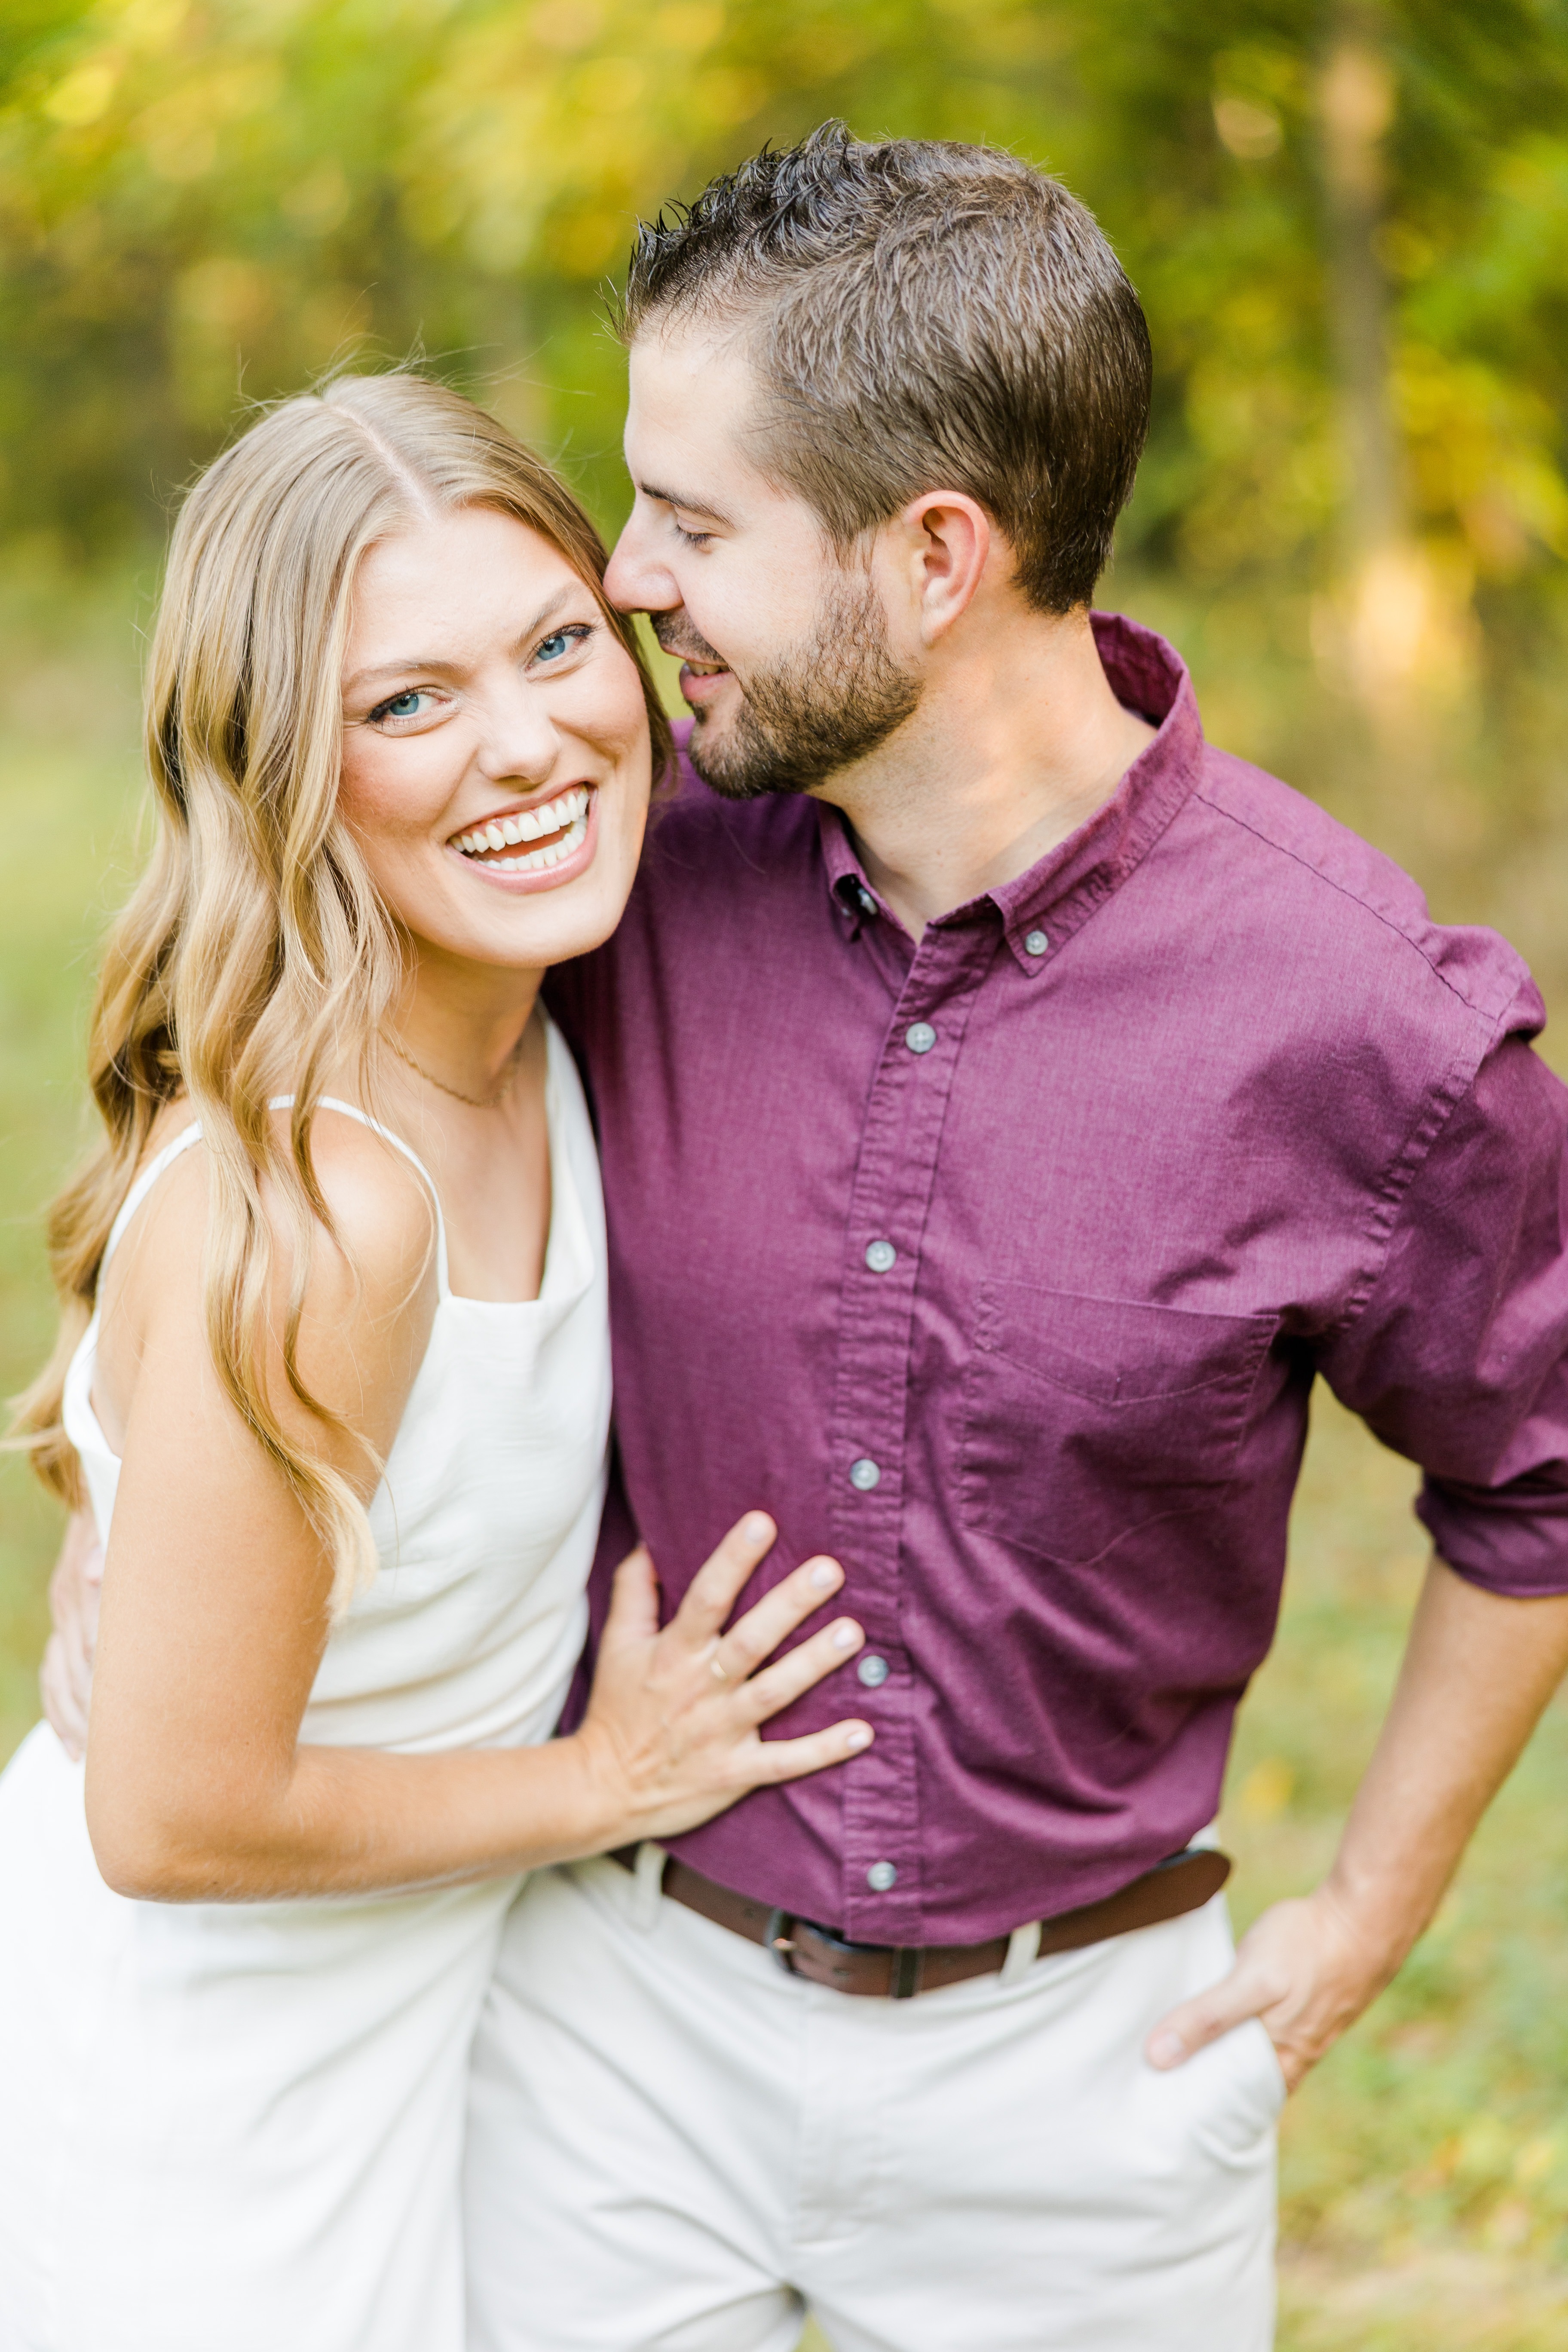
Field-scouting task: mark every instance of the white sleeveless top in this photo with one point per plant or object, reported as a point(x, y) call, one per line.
point(488, 1515)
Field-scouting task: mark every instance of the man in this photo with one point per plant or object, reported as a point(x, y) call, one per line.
point(1009, 1105)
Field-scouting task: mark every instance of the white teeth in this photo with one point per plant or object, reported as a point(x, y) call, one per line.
point(567, 809)
point(539, 861)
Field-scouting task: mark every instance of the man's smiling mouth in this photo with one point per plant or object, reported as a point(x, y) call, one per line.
point(698, 680)
point(669, 628)
point(558, 826)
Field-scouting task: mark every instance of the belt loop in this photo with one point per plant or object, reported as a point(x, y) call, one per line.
point(1023, 1951)
point(647, 1886)
point(905, 1971)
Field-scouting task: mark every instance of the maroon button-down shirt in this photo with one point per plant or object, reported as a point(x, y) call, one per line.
point(1002, 1266)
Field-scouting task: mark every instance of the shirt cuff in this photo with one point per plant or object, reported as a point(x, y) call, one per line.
point(1511, 1540)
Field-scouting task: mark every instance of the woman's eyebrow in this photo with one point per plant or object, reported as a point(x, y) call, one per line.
point(546, 612)
point(393, 669)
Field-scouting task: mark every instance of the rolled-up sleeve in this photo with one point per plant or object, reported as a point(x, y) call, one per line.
point(1459, 1356)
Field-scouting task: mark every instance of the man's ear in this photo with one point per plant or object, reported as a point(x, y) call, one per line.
point(947, 539)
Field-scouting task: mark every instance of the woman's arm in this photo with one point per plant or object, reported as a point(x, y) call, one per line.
point(214, 1618)
point(65, 1677)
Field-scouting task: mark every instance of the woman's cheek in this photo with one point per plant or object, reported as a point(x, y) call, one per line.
point(615, 699)
point(366, 795)
point(390, 799)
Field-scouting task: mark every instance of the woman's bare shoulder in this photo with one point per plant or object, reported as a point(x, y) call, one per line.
point(369, 1290)
point(382, 1220)
point(383, 1215)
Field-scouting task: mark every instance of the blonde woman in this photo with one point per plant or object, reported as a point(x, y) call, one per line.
point(333, 1375)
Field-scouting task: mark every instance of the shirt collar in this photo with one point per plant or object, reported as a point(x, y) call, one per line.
point(1080, 874)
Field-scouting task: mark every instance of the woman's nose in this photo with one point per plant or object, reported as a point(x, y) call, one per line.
point(519, 738)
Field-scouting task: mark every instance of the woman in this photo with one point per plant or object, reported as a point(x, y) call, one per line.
point(334, 1358)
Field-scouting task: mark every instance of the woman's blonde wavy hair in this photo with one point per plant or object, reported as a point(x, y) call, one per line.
point(256, 952)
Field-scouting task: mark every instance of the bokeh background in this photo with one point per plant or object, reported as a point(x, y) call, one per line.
point(1349, 223)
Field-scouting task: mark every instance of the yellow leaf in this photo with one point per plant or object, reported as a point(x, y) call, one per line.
point(83, 97)
point(1267, 1790)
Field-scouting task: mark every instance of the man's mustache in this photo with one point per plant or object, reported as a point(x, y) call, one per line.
point(677, 638)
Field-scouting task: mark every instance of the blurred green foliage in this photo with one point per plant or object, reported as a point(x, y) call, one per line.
point(196, 197)
point(206, 205)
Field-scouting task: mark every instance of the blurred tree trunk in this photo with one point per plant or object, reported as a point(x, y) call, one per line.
point(1383, 603)
point(1357, 101)
point(1406, 626)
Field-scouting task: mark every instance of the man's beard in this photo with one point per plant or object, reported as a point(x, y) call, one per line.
point(825, 704)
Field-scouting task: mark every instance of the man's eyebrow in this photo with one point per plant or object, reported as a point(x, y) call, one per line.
point(688, 505)
point(428, 662)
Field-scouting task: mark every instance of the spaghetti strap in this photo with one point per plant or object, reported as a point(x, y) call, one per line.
point(351, 1110)
point(142, 1186)
point(192, 1134)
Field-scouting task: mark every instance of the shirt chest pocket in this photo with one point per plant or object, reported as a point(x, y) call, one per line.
point(1086, 1418)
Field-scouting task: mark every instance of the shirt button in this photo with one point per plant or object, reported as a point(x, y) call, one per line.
point(1035, 943)
point(867, 904)
point(881, 1257)
point(864, 1475)
point(873, 1672)
point(881, 1875)
point(920, 1038)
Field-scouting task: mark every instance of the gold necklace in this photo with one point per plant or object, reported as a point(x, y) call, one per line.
point(475, 1102)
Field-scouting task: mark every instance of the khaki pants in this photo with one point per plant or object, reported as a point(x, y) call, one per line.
point(675, 2145)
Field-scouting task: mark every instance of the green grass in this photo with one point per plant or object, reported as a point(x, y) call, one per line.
point(1426, 2164)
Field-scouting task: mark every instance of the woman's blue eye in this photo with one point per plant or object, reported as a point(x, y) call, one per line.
point(561, 641)
point(400, 706)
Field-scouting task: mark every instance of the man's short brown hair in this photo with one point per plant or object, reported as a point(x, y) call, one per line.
point(923, 316)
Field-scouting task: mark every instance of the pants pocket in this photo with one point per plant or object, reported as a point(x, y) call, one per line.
point(1238, 2092)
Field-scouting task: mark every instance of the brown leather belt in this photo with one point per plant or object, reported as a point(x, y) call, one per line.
point(895, 1971)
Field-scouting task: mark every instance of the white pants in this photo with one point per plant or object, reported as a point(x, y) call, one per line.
point(675, 2145)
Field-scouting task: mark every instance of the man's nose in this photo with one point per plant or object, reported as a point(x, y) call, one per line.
point(635, 581)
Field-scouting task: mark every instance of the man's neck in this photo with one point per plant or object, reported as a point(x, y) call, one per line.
point(1013, 748)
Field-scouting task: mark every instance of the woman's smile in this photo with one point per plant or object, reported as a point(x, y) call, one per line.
point(561, 832)
point(496, 725)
